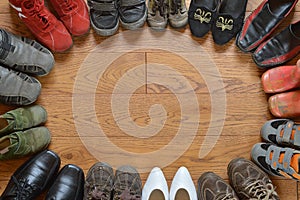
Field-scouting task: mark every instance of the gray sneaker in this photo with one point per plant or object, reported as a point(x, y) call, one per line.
point(178, 14)
point(25, 55)
point(17, 88)
point(128, 184)
point(158, 14)
point(22, 118)
point(99, 182)
point(249, 181)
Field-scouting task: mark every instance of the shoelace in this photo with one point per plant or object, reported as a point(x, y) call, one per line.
point(67, 6)
point(160, 6)
point(38, 13)
point(127, 195)
point(258, 190)
point(23, 190)
point(229, 196)
point(176, 6)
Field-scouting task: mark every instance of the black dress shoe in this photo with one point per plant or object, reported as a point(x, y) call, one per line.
point(262, 22)
point(68, 185)
point(33, 177)
point(279, 49)
point(201, 14)
point(228, 20)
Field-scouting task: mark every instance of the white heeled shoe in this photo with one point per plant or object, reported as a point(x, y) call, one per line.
point(156, 187)
point(182, 187)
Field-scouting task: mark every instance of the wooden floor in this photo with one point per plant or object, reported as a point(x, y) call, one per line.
point(71, 114)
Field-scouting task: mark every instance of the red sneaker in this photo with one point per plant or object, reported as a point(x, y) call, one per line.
point(74, 14)
point(43, 24)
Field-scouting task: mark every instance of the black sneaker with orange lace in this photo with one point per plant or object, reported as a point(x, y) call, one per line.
point(128, 184)
point(277, 161)
point(249, 181)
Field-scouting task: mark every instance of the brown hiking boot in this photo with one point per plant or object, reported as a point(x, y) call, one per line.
point(128, 184)
point(211, 186)
point(99, 182)
point(249, 181)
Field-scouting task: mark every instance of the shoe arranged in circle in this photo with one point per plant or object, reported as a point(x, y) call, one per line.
point(158, 14)
point(74, 14)
point(178, 13)
point(229, 20)
point(17, 88)
point(104, 16)
point(128, 184)
point(283, 132)
point(133, 13)
point(285, 105)
point(32, 177)
point(249, 181)
point(281, 79)
point(277, 161)
point(22, 118)
point(201, 15)
point(156, 186)
point(262, 22)
point(22, 143)
point(212, 186)
point(43, 24)
point(279, 49)
point(99, 182)
point(24, 55)
point(68, 184)
point(182, 186)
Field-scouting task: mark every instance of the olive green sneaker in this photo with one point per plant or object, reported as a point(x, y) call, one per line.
point(23, 143)
point(22, 118)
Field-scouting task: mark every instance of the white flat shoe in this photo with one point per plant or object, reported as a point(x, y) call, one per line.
point(182, 187)
point(156, 187)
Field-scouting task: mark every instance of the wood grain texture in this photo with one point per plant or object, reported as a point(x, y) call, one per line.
point(150, 105)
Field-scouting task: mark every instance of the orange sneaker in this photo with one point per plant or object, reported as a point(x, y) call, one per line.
point(285, 105)
point(43, 24)
point(74, 14)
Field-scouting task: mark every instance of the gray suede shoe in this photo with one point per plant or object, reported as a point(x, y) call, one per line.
point(17, 88)
point(25, 55)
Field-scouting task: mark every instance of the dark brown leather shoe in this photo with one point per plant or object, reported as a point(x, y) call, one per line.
point(279, 49)
point(33, 177)
point(262, 22)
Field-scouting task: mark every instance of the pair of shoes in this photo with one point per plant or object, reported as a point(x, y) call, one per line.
point(279, 156)
point(223, 17)
point(248, 181)
point(182, 187)
point(19, 55)
point(280, 81)
point(38, 173)
point(162, 11)
point(19, 135)
point(260, 24)
point(106, 14)
point(47, 28)
point(102, 183)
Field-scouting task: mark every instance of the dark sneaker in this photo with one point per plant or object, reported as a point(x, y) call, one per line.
point(17, 88)
point(133, 13)
point(33, 177)
point(158, 14)
point(277, 161)
point(128, 184)
point(104, 16)
point(249, 181)
point(99, 182)
point(25, 55)
point(23, 143)
point(211, 186)
point(283, 132)
point(178, 13)
point(22, 118)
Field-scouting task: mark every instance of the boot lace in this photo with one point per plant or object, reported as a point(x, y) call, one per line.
point(126, 195)
point(259, 191)
point(67, 6)
point(38, 13)
point(23, 190)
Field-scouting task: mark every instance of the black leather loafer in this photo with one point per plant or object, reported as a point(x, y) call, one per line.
point(279, 49)
point(68, 184)
point(201, 14)
point(228, 20)
point(33, 177)
point(262, 22)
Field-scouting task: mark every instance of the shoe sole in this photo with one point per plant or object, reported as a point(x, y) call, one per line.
point(135, 25)
point(105, 32)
